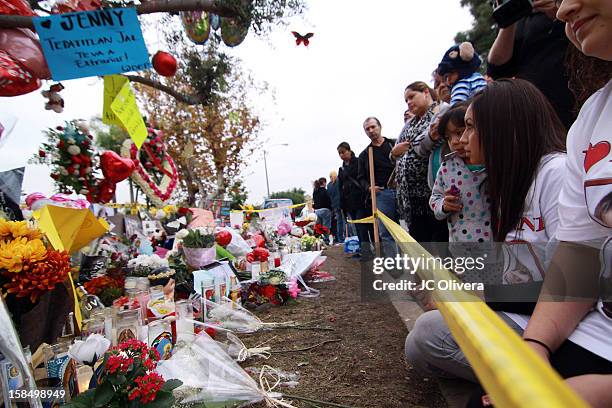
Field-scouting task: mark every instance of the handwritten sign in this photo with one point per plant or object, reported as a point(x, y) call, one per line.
point(125, 108)
point(112, 86)
point(92, 43)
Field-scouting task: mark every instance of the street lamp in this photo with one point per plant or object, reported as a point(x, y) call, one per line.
point(266, 166)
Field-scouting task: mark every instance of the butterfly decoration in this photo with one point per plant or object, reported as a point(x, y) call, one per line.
point(302, 39)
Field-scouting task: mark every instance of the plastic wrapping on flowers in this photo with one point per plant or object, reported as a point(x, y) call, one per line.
point(210, 375)
point(231, 316)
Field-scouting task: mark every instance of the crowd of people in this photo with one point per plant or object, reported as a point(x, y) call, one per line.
point(520, 156)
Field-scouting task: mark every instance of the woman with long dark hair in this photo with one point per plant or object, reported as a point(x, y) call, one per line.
point(513, 131)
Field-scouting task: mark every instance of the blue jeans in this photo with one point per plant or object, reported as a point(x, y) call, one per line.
point(324, 217)
point(386, 203)
point(340, 225)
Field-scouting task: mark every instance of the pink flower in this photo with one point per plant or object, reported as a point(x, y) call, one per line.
point(293, 288)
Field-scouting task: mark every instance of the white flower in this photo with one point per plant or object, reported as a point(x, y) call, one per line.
point(182, 234)
point(63, 171)
point(90, 350)
point(82, 126)
point(74, 149)
point(71, 141)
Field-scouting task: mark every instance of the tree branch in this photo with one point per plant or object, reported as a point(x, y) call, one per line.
point(188, 99)
point(154, 6)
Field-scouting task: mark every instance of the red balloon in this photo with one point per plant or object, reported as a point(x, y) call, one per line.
point(16, 7)
point(164, 63)
point(223, 238)
point(15, 79)
point(114, 167)
point(23, 46)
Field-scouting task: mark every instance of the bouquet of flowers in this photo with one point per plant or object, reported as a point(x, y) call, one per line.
point(198, 246)
point(128, 379)
point(310, 242)
point(106, 288)
point(272, 287)
point(319, 231)
point(69, 151)
point(153, 267)
point(27, 267)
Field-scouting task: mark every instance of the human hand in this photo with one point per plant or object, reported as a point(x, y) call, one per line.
point(400, 149)
point(433, 130)
point(452, 202)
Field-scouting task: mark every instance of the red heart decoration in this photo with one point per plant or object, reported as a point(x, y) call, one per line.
point(114, 167)
point(106, 191)
point(595, 154)
point(157, 193)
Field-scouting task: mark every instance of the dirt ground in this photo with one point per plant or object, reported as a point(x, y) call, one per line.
point(366, 367)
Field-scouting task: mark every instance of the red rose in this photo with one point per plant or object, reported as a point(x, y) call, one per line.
point(42, 153)
point(268, 291)
point(60, 144)
point(55, 176)
point(70, 169)
point(77, 160)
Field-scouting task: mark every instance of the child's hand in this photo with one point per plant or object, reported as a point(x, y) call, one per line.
point(452, 202)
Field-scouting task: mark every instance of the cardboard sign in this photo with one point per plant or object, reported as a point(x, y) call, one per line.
point(125, 108)
point(112, 85)
point(92, 43)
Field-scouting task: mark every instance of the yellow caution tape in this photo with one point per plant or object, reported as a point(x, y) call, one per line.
point(512, 374)
point(250, 210)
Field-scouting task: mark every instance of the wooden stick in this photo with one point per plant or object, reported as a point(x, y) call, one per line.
point(373, 195)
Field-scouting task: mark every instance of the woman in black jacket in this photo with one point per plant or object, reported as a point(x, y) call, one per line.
point(352, 196)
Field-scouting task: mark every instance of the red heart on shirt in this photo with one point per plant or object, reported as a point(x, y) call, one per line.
point(595, 153)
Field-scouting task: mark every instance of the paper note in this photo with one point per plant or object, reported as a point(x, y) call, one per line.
point(92, 43)
point(126, 109)
point(112, 86)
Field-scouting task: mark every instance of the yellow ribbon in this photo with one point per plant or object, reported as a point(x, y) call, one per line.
point(512, 374)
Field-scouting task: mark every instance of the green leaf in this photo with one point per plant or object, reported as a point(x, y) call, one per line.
point(103, 394)
point(163, 399)
point(83, 400)
point(171, 384)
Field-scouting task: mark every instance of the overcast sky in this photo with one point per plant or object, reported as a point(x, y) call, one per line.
point(361, 58)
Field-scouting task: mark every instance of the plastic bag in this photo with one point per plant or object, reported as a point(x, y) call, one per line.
point(231, 316)
point(351, 245)
point(210, 375)
point(233, 346)
point(237, 246)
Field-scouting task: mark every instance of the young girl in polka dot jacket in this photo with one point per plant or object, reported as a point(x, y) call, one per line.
point(459, 193)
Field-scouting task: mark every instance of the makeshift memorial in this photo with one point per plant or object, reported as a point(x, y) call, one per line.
point(128, 379)
point(198, 246)
point(155, 173)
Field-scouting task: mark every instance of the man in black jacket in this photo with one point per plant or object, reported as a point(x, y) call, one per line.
point(322, 202)
point(352, 195)
point(383, 170)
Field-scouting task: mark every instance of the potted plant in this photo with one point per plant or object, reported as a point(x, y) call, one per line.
point(199, 246)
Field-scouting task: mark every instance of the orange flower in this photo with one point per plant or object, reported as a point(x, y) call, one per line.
point(40, 277)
